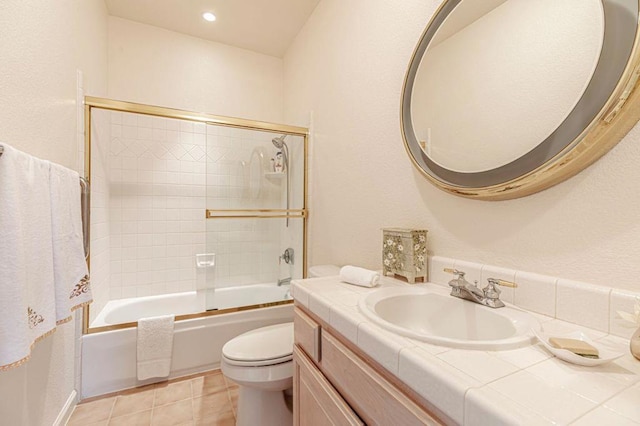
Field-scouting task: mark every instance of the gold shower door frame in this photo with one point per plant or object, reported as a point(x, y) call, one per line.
point(91, 102)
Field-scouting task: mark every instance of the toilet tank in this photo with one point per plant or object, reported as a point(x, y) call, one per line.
point(323, 271)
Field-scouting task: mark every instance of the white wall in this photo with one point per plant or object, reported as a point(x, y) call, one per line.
point(347, 65)
point(42, 45)
point(160, 67)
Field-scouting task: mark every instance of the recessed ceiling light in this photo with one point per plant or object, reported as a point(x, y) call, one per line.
point(208, 16)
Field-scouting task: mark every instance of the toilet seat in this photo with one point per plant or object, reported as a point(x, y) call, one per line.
point(264, 346)
point(260, 363)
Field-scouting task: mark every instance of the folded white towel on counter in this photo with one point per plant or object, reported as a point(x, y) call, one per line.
point(359, 276)
point(27, 293)
point(69, 264)
point(155, 346)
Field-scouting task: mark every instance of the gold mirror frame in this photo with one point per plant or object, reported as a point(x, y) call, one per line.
point(614, 120)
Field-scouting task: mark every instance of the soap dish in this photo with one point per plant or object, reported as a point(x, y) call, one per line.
point(607, 354)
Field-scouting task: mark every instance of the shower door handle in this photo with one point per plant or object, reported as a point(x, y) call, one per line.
point(85, 203)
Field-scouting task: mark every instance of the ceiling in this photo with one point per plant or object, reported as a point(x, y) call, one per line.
point(265, 26)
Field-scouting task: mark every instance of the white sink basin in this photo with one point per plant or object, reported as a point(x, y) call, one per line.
point(431, 315)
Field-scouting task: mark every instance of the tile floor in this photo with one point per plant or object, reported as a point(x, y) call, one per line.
point(205, 399)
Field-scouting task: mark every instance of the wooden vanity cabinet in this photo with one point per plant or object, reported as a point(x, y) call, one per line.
point(334, 385)
point(316, 402)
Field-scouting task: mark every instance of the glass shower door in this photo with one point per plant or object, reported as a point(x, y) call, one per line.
point(255, 217)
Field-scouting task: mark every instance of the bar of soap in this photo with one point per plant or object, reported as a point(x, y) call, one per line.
point(576, 346)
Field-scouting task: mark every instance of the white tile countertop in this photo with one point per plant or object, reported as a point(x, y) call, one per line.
point(521, 386)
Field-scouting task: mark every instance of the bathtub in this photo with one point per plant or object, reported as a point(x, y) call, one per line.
point(109, 357)
point(124, 311)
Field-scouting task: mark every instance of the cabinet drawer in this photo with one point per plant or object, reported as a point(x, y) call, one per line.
point(376, 401)
point(316, 402)
point(306, 334)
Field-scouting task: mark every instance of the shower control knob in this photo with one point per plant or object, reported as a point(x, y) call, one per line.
point(287, 256)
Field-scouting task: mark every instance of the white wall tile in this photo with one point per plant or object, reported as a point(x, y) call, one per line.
point(536, 293)
point(421, 370)
point(598, 386)
point(603, 416)
point(583, 304)
point(626, 403)
point(480, 409)
point(546, 399)
point(437, 264)
point(158, 196)
point(384, 347)
point(621, 300)
point(478, 364)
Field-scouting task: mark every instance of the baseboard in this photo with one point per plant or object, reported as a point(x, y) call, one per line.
point(67, 409)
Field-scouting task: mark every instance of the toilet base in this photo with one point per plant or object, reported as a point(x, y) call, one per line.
point(265, 408)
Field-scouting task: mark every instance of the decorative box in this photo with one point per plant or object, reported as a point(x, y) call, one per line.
point(404, 253)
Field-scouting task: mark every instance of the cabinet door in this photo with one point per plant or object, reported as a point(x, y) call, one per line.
point(375, 399)
point(306, 334)
point(316, 402)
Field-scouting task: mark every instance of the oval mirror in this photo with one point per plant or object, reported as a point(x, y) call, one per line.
point(504, 98)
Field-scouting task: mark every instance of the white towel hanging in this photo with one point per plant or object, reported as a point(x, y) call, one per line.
point(41, 251)
point(155, 346)
point(27, 296)
point(69, 266)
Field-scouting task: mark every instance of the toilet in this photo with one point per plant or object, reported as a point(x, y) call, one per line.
point(260, 361)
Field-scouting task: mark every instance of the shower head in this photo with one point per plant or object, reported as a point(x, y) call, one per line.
point(279, 141)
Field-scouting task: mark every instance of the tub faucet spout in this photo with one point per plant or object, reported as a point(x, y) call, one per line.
point(284, 281)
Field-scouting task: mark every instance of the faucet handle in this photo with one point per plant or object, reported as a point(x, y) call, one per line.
point(460, 274)
point(458, 281)
point(492, 293)
point(503, 283)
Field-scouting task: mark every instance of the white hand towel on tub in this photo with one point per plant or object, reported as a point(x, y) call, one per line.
point(27, 296)
point(69, 265)
point(359, 276)
point(155, 346)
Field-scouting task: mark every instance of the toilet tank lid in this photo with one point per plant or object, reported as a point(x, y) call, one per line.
point(324, 271)
point(261, 344)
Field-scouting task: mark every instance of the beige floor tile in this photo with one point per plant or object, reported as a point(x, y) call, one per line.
point(142, 418)
point(138, 389)
point(233, 396)
point(224, 418)
point(230, 383)
point(205, 385)
point(176, 413)
point(211, 405)
point(92, 412)
point(133, 403)
point(167, 393)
